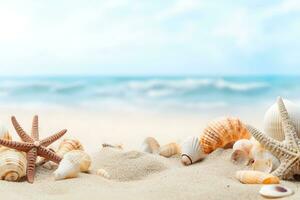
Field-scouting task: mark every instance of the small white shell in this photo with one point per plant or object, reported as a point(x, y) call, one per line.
point(272, 120)
point(240, 157)
point(103, 173)
point(244, 145)
point(72, 163)
point(191, 151)
point(150, 145)
point(275, 191)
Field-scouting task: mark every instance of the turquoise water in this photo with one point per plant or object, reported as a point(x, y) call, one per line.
point(194, 92)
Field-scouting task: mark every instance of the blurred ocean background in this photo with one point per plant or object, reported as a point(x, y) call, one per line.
point(181, 93)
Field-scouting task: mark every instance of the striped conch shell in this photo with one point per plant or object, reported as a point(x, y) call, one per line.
point(150, 145)
point(221, 133)
point(272, 121)
point(68, 145)
point(256, 177)
point(12, 164)
point(72, 163)
point(191, 151)
point(103, 173)
point(169, 150)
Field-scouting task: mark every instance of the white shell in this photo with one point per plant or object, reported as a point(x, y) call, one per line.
point(275, 191)
point(272, 120)
point(243, 145)
point(103, 173)
point(240, 157)
point(191, 151)
point(259, 153)
point(72, 163)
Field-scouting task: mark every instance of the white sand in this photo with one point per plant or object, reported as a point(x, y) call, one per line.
point(134, 175)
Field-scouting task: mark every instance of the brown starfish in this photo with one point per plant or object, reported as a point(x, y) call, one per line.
point(33, 146)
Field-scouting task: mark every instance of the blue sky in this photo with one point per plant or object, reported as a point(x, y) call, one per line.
point(170, 37)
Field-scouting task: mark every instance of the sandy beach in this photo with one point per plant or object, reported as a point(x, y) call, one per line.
point(134, 174)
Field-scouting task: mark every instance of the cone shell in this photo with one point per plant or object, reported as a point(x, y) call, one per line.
point(272, 121)
point(256, 177)
point(12, 164)
point(220, 133)
point(169, 150)
point(275, 191)
point(263, 165)
point(72, 163)
point(191, 151)
point(150, 145)
point(68, 145)
point(103, 173)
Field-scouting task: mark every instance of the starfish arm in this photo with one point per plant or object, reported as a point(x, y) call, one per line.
point(20, 146)
point(286, 168)
point(49, 140)
point(31, 159)
point(275, 147)
point(35, 128)
point(289, 128)
point(23, 135)
point(48, 154)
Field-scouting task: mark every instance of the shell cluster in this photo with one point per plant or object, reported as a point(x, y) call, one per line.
point(219, 133)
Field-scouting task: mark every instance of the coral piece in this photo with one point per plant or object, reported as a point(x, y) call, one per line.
point(33, 146)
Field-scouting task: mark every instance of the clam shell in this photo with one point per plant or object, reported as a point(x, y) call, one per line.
point(263, 165)
point(150, 145)
point(72, 163)
point(103, 173)
point(240, 157)
point(275, 191)
point(272, 120)
point(169, 150)
point(256, 177)
point(12, 164)
point(68, 145)
point(220, 133)
point(191, 151)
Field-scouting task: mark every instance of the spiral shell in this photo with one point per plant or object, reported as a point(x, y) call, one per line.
point(191, 151)
point(72, 163)
point(68, 145)
point(256, 177)
point(12, 164)
point(103, 173)
point(220, 133)
point(150, 145)
point(169, 150)
point(272, 121)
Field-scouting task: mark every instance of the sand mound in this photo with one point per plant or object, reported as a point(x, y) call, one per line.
point(128, 166)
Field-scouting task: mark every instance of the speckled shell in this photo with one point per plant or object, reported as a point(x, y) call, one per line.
point(256, 177)
point(275, 191)
point(103, 173)
point(72, 163)
point(191, 151)
point(220, 133)
point(150, 145)
point(272, 120)
point(169, 150)
point(12, 164)
point(68, 145)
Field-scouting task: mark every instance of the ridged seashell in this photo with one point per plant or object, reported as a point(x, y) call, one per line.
point(275, 191)
point(68, 145)
point(272, 120)
point(103, 173)
point(150, 145)
point(169, 150)
point(220, 133)
point(240, 157)
point(256, 177)
point(191, 151)
point(12, 164)
point(72, 163)
point(263, 165)
point(4, 134)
